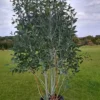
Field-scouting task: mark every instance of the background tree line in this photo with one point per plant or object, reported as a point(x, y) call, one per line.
point(88, 40)
point(7, 41)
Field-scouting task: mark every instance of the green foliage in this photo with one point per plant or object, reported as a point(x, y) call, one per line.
point(45, 30)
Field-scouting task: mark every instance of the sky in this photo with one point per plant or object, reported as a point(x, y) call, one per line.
point(88, 14)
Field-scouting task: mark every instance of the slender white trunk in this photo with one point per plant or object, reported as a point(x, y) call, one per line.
point(54, 80)
point(51, 81)
point(46, 85)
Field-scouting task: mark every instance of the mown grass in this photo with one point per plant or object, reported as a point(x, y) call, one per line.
point(84, 86)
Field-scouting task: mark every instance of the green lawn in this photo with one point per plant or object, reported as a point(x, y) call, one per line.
point(84, 86)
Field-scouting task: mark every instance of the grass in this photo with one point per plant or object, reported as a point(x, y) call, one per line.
point(84, 86)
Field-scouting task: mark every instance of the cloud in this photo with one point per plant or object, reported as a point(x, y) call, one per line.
point(82, 15)
point(5, 18)
point(88, 14)
point(93, 6)
point(69, 1)
point(94, 2)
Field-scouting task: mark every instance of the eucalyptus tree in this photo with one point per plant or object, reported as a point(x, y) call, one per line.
point(44, 41)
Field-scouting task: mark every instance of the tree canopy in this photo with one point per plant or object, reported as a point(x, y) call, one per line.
point(45, 30)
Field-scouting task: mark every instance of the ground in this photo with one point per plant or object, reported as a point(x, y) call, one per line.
point(85, 85)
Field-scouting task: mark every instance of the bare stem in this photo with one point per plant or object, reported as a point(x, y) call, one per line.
point(46, 85)
point(61, 85)
point(39, 90)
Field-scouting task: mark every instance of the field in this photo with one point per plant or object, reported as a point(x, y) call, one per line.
point(84, 86)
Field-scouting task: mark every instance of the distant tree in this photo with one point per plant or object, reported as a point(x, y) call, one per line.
point(89, 37)
point(9, 43)
point(76, 39)
point(0, 45)
point(98, 41)
point(6, 42)
point(97, 36)
point(90, 40)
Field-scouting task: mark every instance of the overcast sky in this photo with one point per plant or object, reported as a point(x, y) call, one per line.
point(88, 14)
